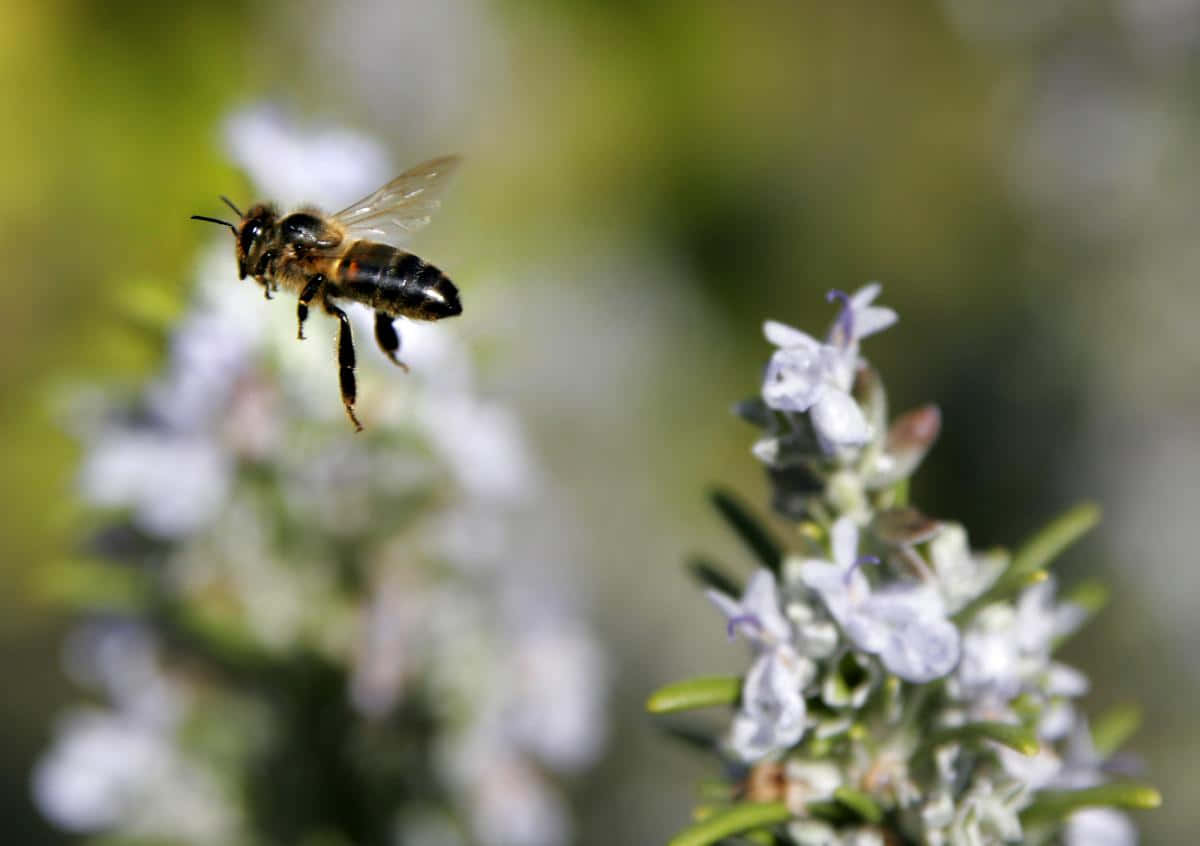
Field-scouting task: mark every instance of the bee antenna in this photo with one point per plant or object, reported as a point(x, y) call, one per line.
point(229, 203)
point(214, 220)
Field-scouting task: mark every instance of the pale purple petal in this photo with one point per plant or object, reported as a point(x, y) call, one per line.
point(762, 601)
point(1034, 771)
point(773, 715)
point(921, 644)
point(844, 542)
point(835, 586)
point(1099, 827)
point(838, 420)
point(872, 320)
point(1035, 627)
point(728, 606)
point(865, 295)
point(759, 614)
point(795, 379)
point(782, 335)
point(1062, 680)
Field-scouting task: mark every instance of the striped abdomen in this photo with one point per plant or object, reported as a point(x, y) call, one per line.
point(396, 282)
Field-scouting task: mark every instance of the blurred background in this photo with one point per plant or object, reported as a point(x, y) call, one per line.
point(644, 184)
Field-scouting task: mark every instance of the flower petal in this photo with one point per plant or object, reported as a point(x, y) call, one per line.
point(1099, 827)
point(838, 420)
point(773, 715)
point(920, 643)
point(865, 295)
point(872, 320)
point(782, 335)
point(844, 541)
point(794, 379)
point(762, 601)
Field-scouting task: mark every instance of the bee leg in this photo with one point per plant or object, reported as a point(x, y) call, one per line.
point(260, 273)
point(345, 362)
point(389, 341)
point(306, 296)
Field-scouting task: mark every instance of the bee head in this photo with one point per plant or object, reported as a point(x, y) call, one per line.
point(254, 233)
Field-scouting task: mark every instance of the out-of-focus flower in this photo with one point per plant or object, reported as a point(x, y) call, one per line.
point(328, 596)
point(331, 167)
point(124, 767)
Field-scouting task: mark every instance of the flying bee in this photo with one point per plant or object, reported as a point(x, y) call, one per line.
point(352, 255)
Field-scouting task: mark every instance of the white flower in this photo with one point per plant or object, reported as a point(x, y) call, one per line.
point(557, 707)
point(1032, 771)
point(1040, 621)
point(291, 165)
point(97, 770)
point(811, 781)
point(804, 375)
point(1099, 827)
point(512, 805)
point(961, 574)
point(759, 614)
point(813, 833)
point(173, 484)
point(1006, 650)
point(904, 624)
point(773, 715)
point(807, 375)
point(115, 770)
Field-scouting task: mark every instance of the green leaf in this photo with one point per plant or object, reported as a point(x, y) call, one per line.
point(695, 737)
point(1053, 805)
point(704, 692)
point(1114, 727)
point(711, 575)
point(1015, 737)
point(1091, 596)
point(749, 529)
point(1049, 542)
point(738, 819)
point(860, 803)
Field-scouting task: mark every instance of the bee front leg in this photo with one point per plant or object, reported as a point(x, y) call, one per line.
point(389, 341)
point(345, 362)
point(306, 296)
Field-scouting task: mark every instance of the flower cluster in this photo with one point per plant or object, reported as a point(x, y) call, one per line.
point(903, 687)
point(303, 634)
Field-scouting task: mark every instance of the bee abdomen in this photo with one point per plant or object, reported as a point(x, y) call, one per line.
point(397, 282)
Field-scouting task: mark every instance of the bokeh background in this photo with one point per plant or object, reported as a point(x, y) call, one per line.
point(645, 183)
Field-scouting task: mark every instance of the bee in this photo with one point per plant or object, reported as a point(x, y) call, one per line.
point(352, 255)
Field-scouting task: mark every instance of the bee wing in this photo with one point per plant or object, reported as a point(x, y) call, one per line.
point(402, 206)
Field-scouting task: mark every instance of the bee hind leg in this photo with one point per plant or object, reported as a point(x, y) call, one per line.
point(346, 378)
point(389, 341)
point(306, 296)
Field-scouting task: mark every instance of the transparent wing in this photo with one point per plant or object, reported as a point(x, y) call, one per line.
point(401, 207)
